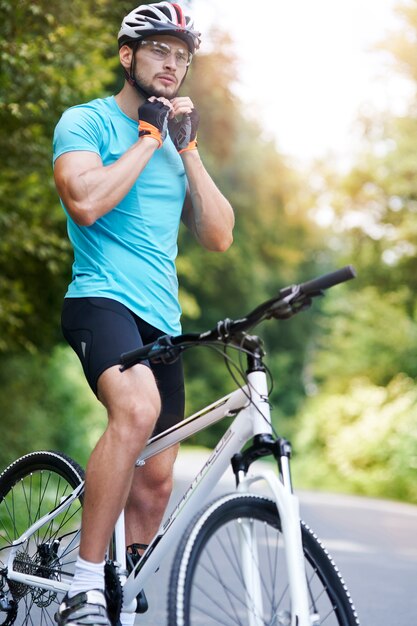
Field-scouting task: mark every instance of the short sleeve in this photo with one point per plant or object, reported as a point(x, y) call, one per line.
point(78, 129)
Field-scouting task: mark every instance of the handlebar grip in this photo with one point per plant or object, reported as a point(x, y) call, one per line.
point(162, 349)
point(128, 359)
point(328, 280)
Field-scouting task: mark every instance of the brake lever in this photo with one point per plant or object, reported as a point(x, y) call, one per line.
point(168, 352)
point(294, 300)
point(168, 357)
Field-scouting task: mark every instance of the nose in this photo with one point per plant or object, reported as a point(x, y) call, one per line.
point(171, 61)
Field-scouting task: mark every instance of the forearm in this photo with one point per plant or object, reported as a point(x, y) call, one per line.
point(209, 216)
point(95, 191)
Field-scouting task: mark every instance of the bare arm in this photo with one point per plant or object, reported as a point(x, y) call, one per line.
point(89, 189)
point(206, 211)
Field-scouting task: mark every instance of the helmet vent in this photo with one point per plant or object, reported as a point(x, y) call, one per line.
point(180, 15)
point(145, 13)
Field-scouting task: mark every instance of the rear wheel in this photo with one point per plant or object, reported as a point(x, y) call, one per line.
point(31, 487)
point(211, 585)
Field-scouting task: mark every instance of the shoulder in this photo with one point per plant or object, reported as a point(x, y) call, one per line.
point(82, 127)
point(93, 112)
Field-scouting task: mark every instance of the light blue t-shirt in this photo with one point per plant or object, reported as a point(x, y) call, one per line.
point(129, 253)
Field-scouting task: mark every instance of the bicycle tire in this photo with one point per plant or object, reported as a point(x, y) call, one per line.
point(30, 487)
point(207, 586)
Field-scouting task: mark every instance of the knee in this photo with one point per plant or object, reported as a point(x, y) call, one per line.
point(134, 422)
point(142, 414)
point(133, 403)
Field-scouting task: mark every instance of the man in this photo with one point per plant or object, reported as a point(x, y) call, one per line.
point(127, 169)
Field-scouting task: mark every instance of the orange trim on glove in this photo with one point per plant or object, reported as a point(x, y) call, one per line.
point(148, 130)
point(191, 146)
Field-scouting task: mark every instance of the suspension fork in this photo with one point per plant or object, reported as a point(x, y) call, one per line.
point(250, 571)
point(288, 509)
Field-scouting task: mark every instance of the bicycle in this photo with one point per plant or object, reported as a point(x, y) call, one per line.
point(228, 567)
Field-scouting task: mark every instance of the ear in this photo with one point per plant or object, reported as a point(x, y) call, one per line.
point(125, 56)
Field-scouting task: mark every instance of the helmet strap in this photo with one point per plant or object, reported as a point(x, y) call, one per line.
point(130, 75)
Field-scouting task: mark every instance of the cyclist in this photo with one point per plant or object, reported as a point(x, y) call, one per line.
point(127, 170)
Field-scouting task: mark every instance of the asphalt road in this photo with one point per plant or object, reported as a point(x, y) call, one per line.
point(373, 542)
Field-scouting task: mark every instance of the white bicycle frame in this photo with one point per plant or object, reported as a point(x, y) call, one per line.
point(252, 417)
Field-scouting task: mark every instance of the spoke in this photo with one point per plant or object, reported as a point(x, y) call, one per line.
point(73, 544)
point(215, 603)
point(49, 526)
point(228, 548)
point(28, 602)
point(254, 560)
point(34, 494)
point(229, 591)
point(248, 550)
point(274, 568)
point(11, 517)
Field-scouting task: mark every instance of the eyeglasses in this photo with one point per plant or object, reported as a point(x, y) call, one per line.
point(161, 51)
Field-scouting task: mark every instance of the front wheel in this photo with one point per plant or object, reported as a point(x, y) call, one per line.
point(31, 487)
point(230, 569)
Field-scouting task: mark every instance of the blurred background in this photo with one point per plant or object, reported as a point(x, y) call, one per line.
point(309, 127)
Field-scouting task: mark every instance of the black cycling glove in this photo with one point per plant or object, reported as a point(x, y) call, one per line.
point(183, 131)
point(153, 120)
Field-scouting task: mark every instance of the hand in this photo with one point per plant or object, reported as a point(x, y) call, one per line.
point(153, 118)
point(183, 124)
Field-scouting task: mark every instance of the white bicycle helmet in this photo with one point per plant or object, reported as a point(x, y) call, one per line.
point(161, 18)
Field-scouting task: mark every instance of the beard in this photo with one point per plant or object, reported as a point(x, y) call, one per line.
point(151, 90)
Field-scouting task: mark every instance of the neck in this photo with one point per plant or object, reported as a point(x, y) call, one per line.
point(129, 100)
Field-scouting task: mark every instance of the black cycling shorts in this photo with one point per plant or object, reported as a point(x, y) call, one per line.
point(101, 329)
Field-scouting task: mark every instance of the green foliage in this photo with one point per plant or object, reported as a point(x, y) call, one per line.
point(271, 206)
point(358, 430)
point(365, 333)
point(47, 63)
point(46, 404)
point(363, 439)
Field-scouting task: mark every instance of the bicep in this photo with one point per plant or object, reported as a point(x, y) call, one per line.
point(68, 171)
point(187, 211)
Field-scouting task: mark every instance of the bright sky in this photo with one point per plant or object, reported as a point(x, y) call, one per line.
point(307, 67)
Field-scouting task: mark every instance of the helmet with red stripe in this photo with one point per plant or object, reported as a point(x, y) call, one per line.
point(161, 18)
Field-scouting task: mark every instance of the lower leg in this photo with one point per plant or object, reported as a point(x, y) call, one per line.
point(149, 496)
point(111, 466)
point(133, 404)
point(105, 492)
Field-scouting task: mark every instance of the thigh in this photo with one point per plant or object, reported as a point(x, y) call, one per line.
point(170, 382)
point(99, 330)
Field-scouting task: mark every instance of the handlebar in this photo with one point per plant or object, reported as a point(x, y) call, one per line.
point(284, 305)
point(328, 280)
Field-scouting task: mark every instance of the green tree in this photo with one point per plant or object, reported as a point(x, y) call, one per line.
point(362, 440)
point(275, 243)
point(45, 405)
point(358, 430)
point(47, 63)
point(52, 56)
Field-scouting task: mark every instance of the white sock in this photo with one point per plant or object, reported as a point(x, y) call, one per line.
point(87, 576)
point(127, 619)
